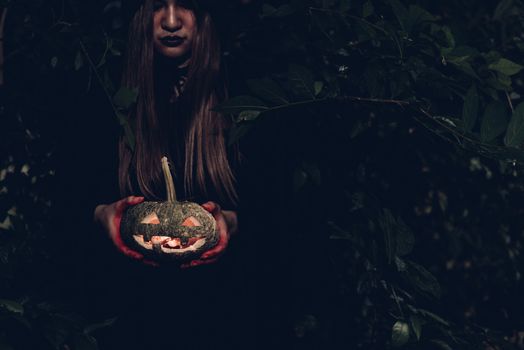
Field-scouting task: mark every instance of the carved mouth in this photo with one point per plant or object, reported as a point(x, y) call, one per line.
point(170, 245)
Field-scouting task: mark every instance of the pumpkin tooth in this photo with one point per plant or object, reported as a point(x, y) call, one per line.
point(193, 240)
point(140, 240)
point(160, 239)
point(199, 243)
point(173, 243)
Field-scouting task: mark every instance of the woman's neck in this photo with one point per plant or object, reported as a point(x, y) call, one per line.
point(170, 77)
point(171, 68)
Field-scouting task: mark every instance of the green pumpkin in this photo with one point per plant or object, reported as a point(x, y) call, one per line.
point(171, 230)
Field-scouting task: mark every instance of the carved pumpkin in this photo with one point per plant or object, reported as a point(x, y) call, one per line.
point(171, 230)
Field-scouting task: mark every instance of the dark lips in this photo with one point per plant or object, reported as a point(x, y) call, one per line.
point(171, 41)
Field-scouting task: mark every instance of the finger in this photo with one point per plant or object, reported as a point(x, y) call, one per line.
point(130, 253)
point(133, 200)
point(219, 249)
point(151, 263)
point(212, 207)
point(122, 204)
point(119, 243)
point(222, 242)
point(195, 263)
point(115, 229)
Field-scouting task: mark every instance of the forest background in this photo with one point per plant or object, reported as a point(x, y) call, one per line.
point(389, 138)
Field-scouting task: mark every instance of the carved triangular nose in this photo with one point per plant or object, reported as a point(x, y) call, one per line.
point(151, 219)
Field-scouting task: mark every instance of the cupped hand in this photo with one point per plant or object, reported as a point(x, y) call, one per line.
point(110, 216)
point(212, 255)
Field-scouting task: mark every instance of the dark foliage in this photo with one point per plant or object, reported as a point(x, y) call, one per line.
point(381, 184)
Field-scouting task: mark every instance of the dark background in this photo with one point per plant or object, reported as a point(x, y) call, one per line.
point(380, 183)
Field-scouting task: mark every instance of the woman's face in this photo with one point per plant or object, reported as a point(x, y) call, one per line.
point(174, 27)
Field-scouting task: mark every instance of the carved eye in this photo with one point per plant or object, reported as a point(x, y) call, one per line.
point(191, 222)
point(151, 219)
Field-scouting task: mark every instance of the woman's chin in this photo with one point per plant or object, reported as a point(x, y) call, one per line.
point(173, 55)
point(172, 52)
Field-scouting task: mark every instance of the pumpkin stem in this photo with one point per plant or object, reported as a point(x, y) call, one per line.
point(170, 185)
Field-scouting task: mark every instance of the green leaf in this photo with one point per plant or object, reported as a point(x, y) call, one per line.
point(115, 52)
point(491, 56)
point(273, 12)
point(400, 334)
point(464, 51)
point(499, 81)
point(405, 239)
point(268, 90)
point(122, 119)
point(345, 5)
point(85, 342)
point(248, 115)
point(299, 179)
point(12, 306)
point(125, 97)
point(363, 29)
point(494, 121)
point(504, 81)
point(401, 265)
point(506, 67)
point(128, 131)
point(54, 61)
point(448, 36)
point(416, 325)
point(268, 10)
point(4, 346)
point(502, 9)
point(313, 172)
point(471, 108)
point(401, 12)
point(6, 224)
point(358, 128)
point(430, 315)
point(96, 326)
point(387, 224)
point(238, 131)
point(465, 67)
point(301, 81)
point(515, 132)
point(367, 9)
point(238, 104)
point(318, 87)
point(79, 60)
point(422, 279)
point(419, 15)
point(441, 344)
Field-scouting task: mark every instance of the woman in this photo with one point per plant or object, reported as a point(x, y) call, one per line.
point(174, 60)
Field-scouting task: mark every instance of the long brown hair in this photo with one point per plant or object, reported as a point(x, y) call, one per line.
point(196, 130)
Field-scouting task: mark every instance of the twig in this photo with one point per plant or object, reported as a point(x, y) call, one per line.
point(320, 26)
point(397, 301)
point(400, 103)
point(124, 122)
point(509, 102)
point(98, 77)
point(374, 100)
